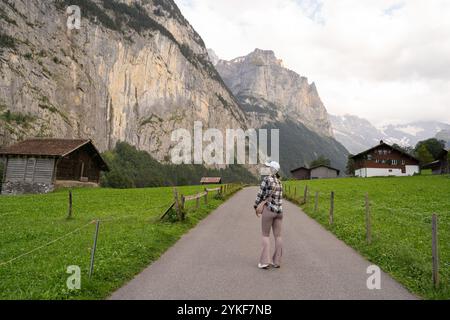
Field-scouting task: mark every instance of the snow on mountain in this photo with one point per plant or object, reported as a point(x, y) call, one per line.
point(358, 134)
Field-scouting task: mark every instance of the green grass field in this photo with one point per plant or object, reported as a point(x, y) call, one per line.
point(401, 210)
point(131, 237)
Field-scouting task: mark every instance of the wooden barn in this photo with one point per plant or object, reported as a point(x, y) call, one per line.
point(316, 172)
point(385, 160)
point(210, 180)
point(324, 172)
point(302, 173)
point(441, 165)
point(40, 165)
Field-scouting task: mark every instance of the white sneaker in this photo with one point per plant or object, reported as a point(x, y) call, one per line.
point(263, 266)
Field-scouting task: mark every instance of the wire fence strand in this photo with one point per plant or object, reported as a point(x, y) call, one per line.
point(47, 244)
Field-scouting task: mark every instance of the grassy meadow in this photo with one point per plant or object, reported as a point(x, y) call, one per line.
point(130, 237)
point(401, 211)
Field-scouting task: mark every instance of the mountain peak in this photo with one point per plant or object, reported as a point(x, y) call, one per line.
point(262, 76)
point(213, 56)
point(265, 57)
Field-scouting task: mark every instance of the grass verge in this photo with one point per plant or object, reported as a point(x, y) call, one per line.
point(401, 211)
point(131, 236)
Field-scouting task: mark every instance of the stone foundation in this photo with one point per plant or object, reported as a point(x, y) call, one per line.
point(15, 188)
point(74, 184)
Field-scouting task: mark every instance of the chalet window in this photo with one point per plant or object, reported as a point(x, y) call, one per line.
point(383, 161)
point(394, 162)
point(385, 152)
point(403, 162)
point(369, 157)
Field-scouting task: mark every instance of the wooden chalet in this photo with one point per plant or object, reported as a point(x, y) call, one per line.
point(385, 160)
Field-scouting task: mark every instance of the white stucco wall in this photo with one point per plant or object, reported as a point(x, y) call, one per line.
point(411, 170)
point(384, 172)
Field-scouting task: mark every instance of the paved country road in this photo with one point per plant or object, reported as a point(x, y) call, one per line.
point(218, 260)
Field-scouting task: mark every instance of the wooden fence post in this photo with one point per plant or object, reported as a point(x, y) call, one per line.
point(206, 196)
point(295, 192)
point(316, 204)
point(183, 201)
point(197, 203)
point(69, 213)
point(368, 222)
point(332, 208)
point(94, 248)
point(435, 251)
point(305, 194)
point(177, 205)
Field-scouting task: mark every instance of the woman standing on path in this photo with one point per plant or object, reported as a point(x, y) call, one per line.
point(271, 193)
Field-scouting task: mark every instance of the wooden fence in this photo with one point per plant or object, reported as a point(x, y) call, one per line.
point(180, 201)
point(292, 196)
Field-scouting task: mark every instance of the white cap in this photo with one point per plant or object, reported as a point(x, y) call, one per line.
point(273, 165)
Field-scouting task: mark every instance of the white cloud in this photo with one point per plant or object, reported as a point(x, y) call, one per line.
point(379, 59)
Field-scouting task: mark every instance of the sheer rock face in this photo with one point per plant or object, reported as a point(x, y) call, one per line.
point(259, 80)
point(136, 80)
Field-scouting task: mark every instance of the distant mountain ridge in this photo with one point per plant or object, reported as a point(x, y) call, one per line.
point(445, 136)
point(358, 134)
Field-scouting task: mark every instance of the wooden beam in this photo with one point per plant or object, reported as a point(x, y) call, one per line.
point(316, 203)
point(167, 211)
point(332, 208)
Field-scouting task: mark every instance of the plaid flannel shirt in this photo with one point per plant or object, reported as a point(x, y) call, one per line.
point(271, 185)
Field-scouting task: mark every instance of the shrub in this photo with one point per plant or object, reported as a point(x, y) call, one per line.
point(7, 41)
point(17, 117)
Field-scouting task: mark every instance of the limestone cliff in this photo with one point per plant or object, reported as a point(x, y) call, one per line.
point(134, 71)
point(259, 80)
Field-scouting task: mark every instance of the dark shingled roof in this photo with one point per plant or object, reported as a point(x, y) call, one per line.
point(44, 147)
point(318, 166)
point(382, 143)
point(326, 166)
point(211, 180)
point(296, 169)
point(50, 148)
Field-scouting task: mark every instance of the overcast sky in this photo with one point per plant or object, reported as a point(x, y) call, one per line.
point(384, 60)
